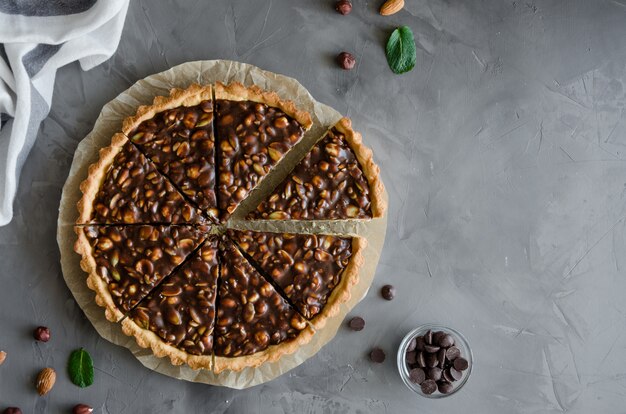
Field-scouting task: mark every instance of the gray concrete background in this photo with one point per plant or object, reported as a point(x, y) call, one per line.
point(503, 154)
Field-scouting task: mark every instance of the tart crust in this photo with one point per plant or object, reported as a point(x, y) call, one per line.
point(148, 339)
point(341, 292)
point(270, 354)
point(365, 156)
point(191, 96)
point(236, 91)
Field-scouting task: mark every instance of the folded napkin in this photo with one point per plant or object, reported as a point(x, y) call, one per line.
point(36, 38)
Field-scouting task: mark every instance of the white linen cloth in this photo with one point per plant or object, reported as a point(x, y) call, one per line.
point(36, 38)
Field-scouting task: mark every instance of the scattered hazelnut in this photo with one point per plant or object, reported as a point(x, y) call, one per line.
point(343, 6)
point(82, 409)
point(346, 60)
point(42, 334)
point(12, 410)
point(3, 356)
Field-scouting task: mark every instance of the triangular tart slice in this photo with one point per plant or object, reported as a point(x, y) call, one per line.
point(316, 272)
point(176, 133)
point(177, 318)
point(337, 179)
point(125, 187)
point(254, 130)
point(254, 323)
point(125, 263)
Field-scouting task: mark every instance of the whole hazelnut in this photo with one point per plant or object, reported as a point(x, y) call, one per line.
point(82, 409)
point(346, 60)
point(42, 334)
point(343, 6)
point(12, 410)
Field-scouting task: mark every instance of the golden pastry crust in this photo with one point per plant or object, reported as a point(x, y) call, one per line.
point(191, 96)
point(271, 354)
point(148, 339)
point(342, 292)
point(94, 281)
point(238, 92)
point(96, 174)
point(370, 169)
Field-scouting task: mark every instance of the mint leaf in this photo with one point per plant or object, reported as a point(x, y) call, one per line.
point(400, 50)
point(80, 368)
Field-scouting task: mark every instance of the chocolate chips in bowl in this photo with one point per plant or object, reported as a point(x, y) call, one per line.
point(434, 361)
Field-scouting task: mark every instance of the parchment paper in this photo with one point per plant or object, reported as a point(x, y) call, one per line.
point(110, 121)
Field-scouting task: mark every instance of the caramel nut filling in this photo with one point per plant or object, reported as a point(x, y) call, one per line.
point(133, 259)
point(306, 267)
point(251, 315)
point(133, 191)
point(181, 310)
point(181, 143)
point(327, 184)
point(252, 138)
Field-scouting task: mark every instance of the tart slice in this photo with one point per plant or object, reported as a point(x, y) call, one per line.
point(176, 319)
point(126, 262)
point(176, 133)
point(337, 179)
point(254, 323)
point(125, 187)
point(315, 272)
point(254, 130)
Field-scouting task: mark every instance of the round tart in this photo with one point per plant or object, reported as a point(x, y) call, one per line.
point(157, 242)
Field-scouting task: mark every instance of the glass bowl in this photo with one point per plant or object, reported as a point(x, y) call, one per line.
point(459, 341)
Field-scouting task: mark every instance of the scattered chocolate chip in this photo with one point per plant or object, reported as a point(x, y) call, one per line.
point(446, 341)
point(456, 375)
point(453, 353)
point(417, 375)
point(388, 292)
point(431, 348)
point(346, 60)
point(435, 373)
point(42, 334)
point(421, 360)
point(412, 345)
point(411, 357)
point(441, 357)
point(343, 6)
point(428, 337)
point(377, 355)
point(12, 410)
point(357, 323)
point(460, 364)
point(445, 387)
point(429, 386)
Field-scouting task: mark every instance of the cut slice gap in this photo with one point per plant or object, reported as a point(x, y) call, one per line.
point(124, 187)
point(177, 318)
point(176, 133)
point(314, 272)
point(254, 129)
point(254, 323)
point(125, 263)
point(330, 227)
point(336, 179)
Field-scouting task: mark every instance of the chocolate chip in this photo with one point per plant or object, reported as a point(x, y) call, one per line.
point(377, 355)
point(417, 375)
point(419, 343)
point(437, 337)
point(445, 387)
point(435, 373)
point(453, 353)
point(421, 360)
point(429, 386)
point(441, 357)
point(446, 341)
point(428, 337)
point(412, 345)
point(357, 323)
point(447, 376)
point(460, 364)
point(431, 348)
point(411, 357)
point(388, 292)
point(431, 360)
point(454, 374)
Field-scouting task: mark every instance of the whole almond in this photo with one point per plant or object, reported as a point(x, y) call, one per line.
point(45, 381)
point(3, 356)
point(391, 7)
